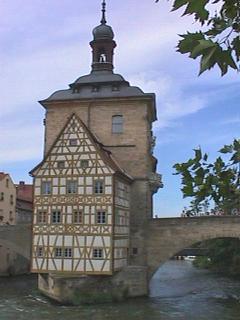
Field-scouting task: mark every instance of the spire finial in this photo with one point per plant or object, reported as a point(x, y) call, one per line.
point(103, 21)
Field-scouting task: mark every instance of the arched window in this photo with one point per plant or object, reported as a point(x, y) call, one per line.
point(102, 57)
point(117, 124)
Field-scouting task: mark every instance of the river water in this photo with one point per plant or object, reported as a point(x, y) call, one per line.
point(178, 292)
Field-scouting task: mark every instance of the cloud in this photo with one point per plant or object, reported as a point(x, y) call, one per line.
point(173, 103)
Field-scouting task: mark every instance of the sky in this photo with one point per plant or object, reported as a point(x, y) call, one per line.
point(45, 46)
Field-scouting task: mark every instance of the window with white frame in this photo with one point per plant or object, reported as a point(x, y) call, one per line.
point(101, 217)
point(58, 252)
point(117, 124)
point(77, 217)
point(40, 252)
point(46, 187)
point(97, 253)
point(42, 217)
point(72, 186)
point(56, 217)
point(67, 252)
point(98, 187)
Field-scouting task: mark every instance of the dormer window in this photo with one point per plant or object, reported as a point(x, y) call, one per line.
point(115, 88)
point(95, 89)
point(117, 124)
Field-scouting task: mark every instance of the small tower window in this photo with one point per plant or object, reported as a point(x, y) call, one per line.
point(98, 186)
point(115, 87)
point(11, 199)
point(7, 183)
point(2, 196)
point(95, 88)
point(117, 124)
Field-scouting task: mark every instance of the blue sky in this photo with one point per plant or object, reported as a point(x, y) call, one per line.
point(44, 47)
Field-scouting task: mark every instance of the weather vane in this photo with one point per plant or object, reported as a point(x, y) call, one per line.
point(103, 21)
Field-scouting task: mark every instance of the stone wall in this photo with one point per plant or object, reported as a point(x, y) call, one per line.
point(131, 282)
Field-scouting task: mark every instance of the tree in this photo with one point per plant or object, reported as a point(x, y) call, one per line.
point(218, 41)
point(217, 182)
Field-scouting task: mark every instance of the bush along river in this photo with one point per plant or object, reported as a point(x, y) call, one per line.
point(178, 291)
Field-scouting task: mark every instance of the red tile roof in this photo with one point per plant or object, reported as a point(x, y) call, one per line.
point(25, 192)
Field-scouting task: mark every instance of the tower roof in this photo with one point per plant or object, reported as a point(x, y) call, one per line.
point(103, 31)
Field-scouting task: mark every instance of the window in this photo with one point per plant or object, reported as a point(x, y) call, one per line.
point(10, 215)
point(95, 89)
point(68, 252)
point(40, 252)
point(117, 124)
point(72, 186)
point(58, 252)
point(46, 187)
point(73, 142)
point(61, 164)
point(101, 217)
point(135, 250)
point(7, 183)
point(98, 186)
point(115, 87)
point(56, 217)
point(42, 217)
point(11, 199)
point(97, 253)
point(84, 164)
point(77, 217)
point(2, 196)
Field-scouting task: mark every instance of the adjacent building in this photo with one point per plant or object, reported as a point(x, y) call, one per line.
point(24, 203)
point(7, 200)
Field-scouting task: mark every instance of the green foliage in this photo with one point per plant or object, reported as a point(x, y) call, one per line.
point(223, 256)
point(218, 43)
point(218, 181)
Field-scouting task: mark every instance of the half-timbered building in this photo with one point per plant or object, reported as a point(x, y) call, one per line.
point(81, 215)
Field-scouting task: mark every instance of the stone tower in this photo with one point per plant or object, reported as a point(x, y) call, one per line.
point(116, 120)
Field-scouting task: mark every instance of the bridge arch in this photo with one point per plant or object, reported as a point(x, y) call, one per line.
point(167, 237)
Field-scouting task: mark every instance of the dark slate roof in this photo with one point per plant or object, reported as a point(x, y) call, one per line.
point(105, 81)
point(103, 31)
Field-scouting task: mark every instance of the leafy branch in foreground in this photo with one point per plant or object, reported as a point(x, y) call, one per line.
point(218, 41)
point(218, 181)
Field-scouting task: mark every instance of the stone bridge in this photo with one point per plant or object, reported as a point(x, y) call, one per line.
point(17, 238)
point(167, 237)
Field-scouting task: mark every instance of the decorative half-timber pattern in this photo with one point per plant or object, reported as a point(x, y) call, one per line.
point(81, 207)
